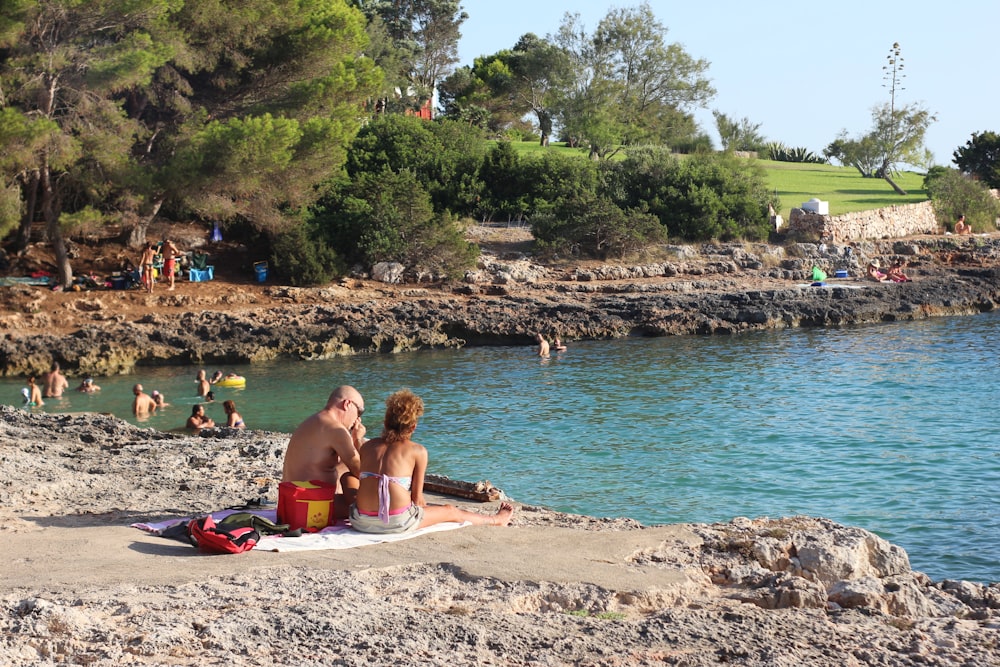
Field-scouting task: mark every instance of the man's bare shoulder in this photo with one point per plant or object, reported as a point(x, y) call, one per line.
point(322, 422)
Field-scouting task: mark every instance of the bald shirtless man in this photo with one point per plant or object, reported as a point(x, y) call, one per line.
point(325, 446)
point(143, 403)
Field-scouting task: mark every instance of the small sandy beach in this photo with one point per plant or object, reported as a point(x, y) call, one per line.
point(82, 587)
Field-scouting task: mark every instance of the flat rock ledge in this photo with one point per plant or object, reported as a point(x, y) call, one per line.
point(81, 587)
point(322, 324)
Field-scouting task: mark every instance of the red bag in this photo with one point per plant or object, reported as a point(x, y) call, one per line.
point(205, 535)
point(306, 505)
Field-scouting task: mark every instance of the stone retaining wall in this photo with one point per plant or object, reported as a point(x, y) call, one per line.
point(882, 223)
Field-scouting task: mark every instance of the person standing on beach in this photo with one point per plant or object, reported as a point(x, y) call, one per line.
point(170, 253)
point(390, 498)
point(325, 445)
point(143, 403)
point(543, 345)
point(55, 382)
point(146, 266)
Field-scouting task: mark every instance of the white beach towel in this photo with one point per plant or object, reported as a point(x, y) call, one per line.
point(341, 536)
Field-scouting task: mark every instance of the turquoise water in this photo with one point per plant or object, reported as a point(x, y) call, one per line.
point(889, 427)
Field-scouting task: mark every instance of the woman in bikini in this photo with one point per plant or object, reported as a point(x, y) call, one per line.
point(895, 272)
point(390, 495)
point(233, 420)
point(146, 263)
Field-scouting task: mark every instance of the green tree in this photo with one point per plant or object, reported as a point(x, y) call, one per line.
point(953, 194)
point(738, 135)
point(62, 65)
point(628, 85)
point(509, 85)
point(424, 36)
point(980, 157)
point(231, 110)
point(537, 70)
point(444, 157)
point(897, 134)
point(258, 107)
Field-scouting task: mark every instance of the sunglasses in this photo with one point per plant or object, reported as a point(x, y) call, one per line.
point(359, 408)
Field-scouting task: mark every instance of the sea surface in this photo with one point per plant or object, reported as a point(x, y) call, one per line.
point(892, 427)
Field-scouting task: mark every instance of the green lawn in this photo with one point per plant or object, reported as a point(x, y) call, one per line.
point(796, 182)
point(843, 187)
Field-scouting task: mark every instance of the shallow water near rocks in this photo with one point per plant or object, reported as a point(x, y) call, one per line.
point(890, 427)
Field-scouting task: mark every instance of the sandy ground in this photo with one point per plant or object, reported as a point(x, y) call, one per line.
point(82, 587)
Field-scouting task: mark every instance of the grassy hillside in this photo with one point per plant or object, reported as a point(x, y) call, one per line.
point(843, 187)
point(796, 183)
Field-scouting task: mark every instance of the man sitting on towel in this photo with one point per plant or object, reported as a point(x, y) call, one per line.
point(325, 446)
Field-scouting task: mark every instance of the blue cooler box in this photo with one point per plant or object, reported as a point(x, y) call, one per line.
point(198, 275)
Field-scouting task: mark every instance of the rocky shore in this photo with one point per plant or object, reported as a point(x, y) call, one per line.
point(81, 587)
point(710, 289)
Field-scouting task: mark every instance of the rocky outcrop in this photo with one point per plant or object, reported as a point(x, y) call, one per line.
point(724, 290)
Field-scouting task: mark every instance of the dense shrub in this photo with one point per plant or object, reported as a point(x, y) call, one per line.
point(704, 196)
point(505, 189)
point(595, 227)
point(300, 256)
point(552, 178)
point(445, 156)
point(953, 194)
point(518, 187)
point(388, 217)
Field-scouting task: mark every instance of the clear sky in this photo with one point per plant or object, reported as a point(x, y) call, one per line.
point(803, 70)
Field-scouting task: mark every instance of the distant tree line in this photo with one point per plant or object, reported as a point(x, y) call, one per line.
point(407, 182)
point(286, 122)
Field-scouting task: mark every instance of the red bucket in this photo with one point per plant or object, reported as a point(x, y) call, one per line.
point(306, 505)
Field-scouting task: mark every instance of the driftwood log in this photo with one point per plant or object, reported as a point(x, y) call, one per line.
point(483, 490)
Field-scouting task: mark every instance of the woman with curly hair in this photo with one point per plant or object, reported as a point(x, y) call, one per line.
point(390, 495)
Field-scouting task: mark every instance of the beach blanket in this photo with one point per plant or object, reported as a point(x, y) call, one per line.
point(340, 536)
point(10, 281)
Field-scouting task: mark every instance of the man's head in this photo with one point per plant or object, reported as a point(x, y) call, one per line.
point(137, 389)
point(348, 400)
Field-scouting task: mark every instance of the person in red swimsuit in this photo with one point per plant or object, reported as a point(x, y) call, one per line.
point(170, 253)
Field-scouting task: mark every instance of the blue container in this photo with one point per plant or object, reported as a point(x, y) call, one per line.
point(840, 274)
point(261, 269)
point(201, 275)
